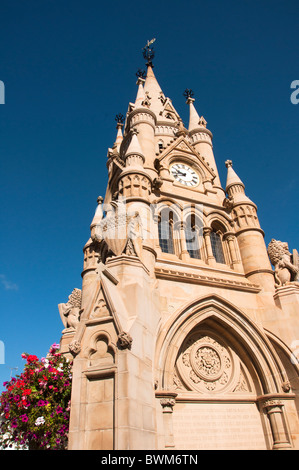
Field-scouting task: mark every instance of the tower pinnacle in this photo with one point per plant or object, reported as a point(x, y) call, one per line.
point(195, 121)
point(234, 185)
point(232, 177)
point(120, 123)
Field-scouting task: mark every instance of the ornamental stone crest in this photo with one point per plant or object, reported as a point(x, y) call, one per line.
point(120, 231)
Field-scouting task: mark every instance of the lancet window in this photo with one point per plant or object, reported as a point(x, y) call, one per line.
point(193, 236)
point(216, 243)
point(166, 231)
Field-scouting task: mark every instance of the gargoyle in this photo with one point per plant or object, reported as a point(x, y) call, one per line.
point(285, 264)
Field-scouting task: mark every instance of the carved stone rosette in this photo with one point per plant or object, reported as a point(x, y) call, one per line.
point(205, 364)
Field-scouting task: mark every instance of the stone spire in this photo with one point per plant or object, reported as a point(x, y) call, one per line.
point(201, 136)
point(153, 91)
point(140, 92)
point(234, 186)
point(98, 216)
point(249, 234)
point(232, 177)
point(195, 122)
point(134, 155)
point(119, 137)
point(193, 116)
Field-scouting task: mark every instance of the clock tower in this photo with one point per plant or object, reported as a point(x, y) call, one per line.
point(182, 335)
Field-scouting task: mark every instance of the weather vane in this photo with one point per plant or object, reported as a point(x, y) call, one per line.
point(188, 93)
point(148, 52)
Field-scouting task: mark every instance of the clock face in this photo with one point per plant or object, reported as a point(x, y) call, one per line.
point(184, 174)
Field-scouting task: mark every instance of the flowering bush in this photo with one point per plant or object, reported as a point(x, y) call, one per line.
point(34, 408)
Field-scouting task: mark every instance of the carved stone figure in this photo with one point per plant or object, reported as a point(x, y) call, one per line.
point(285, 264)
point(70, 311)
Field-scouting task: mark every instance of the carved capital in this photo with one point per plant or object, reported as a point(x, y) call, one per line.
point(229, 236)
point(167, 400)
point(272, 403)
point(206, 231)
point(167, 404)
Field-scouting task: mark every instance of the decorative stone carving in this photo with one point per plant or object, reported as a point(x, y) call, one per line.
point(147, 100)
point(100, 309)
point(120, 232)
point(228, 202)
point(206, 364)
point(125, 340)
point(167, 403)
point(75, 347)
point(70, 311)
point(101, 354)
point(286, 266)
point(157, 183)
point(181, 130)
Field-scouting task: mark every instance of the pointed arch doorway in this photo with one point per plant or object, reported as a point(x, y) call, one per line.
point(220, 382)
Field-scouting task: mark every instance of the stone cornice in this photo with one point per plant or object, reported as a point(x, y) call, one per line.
point(193, 278)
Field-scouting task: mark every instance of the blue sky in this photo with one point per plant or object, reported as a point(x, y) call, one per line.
point(68, 68)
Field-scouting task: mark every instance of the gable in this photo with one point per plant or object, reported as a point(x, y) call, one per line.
point(181, 148)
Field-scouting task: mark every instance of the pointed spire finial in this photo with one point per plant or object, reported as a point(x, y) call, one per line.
point(228, 163)
point(149, 53)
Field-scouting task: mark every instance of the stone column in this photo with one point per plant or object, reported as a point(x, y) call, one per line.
point(274, 411)
point(236, 262)
point(184, 252)
point(206, 234)
point(167, 401)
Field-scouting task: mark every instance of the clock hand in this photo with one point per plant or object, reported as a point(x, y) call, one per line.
point(178, 172)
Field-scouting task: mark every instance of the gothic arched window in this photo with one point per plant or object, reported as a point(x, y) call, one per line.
point(217, 248)
point(193, 236)
point(165, 228)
